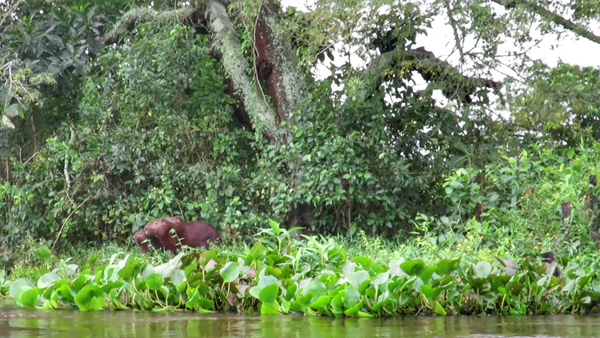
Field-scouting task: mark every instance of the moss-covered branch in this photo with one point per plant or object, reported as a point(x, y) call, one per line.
point(225, 40)
point(141, 15)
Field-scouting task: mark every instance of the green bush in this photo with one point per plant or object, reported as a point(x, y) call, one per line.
point(522, 200)
point(154, 134)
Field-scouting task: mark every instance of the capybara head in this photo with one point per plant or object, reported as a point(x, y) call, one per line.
point(158, 227)
point(153, 228)
point(139, 237)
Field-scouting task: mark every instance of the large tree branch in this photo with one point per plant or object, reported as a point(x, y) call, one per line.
point(227, 42)
point(140, 15)
point(553, 17)
point(453, 84)
point(454, 29)
point(9, 13)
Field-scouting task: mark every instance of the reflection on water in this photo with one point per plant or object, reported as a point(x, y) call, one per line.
point(19, 322)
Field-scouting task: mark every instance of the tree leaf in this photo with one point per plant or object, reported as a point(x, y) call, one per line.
point(275, 227)
point(45, 254)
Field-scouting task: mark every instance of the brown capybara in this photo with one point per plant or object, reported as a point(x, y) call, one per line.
point(174, 219)
point(140, 236)
point(193, 234)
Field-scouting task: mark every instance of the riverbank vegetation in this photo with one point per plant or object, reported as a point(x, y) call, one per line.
point(280, 274)
point(416, 173)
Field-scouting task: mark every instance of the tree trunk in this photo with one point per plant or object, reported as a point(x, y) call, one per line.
point(276, 65)
point(226, 41)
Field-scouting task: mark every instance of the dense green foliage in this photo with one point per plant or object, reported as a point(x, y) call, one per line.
point(281, 275)
point(149, 139)
point(523, 197)
point(101, 135)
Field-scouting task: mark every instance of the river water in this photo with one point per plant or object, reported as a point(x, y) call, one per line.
point(21, 322)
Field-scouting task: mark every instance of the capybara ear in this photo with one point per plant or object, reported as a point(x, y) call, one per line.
point(149, 226)
point(175, 219)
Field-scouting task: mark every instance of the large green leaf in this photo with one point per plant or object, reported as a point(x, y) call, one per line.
point(178, 276)
point(290, 292)
point(29, 297)
point(274, 226)
point(47, 279)
point(7, 122)
point(380, 279)
point(337, 256)
point(354, 310)
point(357, 278)
point(321, 303)
point(395, 269)
point(445, 267)
point(337, 304)
point(596, 286)
point(65, 292)
point(193, 299)
point(230, 272)
point(483, 269)
point(366, 262)
point(270, 308)
point(255, 291)
point(126, 273)
point(315, 286)
point(154, 281)
point(267, 280)
point(269, 293)
point(13, 110)
point(412, 267)
point(352, 297)
point(97, 303)
point(16, 285)
point(206, 304)
point(427, 290)
point(439, 309)
point(82, 300)
point(426, 272)
point(570, 286)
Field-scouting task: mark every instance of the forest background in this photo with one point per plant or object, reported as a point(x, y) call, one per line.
point(116, 112)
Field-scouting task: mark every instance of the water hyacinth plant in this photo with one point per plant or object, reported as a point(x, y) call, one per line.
point(278, 275)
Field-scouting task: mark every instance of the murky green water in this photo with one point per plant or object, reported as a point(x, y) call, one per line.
point(19, 322)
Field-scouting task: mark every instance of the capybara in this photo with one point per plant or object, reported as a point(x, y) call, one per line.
point(193, 234)
point(174, 219)
point(140, 236)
